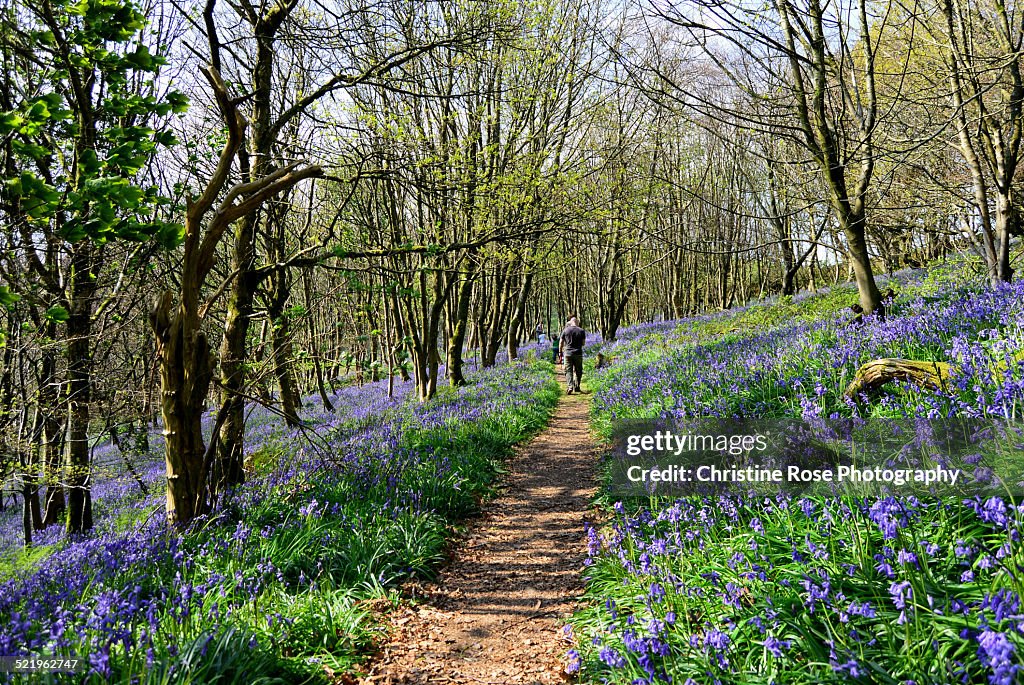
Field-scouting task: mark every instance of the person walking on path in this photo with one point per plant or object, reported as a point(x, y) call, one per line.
point(571, 344)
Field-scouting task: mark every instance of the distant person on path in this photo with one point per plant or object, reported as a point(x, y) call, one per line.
point(539, 332)
point(571, 341)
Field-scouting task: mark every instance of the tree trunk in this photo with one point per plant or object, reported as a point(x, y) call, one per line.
point(56, 506)
point(31, 473)
point(516, 322)
point(228, 468)
point(789, 282)
point(875, 374)
point(282, 337)
point(259, 356)
point(424, 331)
point(79, 331)
point(186, 370)
point(317, 348)
point(26, 512)
point(53, 437)
point(1006, 226)
point(458, 336)
point(496, 319)
point(860, 261)
point(617, 310)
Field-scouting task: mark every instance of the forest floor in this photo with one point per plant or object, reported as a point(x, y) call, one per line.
point(495, 613)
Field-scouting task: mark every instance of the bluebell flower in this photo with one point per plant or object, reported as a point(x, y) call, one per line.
point(612, 658)
point(775, 646)
point(997, 653)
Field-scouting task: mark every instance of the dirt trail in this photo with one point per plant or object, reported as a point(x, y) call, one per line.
point(496, 612)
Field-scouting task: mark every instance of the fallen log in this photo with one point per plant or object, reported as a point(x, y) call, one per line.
point(873, 375)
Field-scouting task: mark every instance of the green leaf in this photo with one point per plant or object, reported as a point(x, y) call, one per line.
point(177, 101)
point(29, 149)
point(141, 59)
point(57, 314)
point(73, 230)
point(104, 201)
point(39, 200)
point(89, 162)
point(44, 37)
point(170, 235)
point(165, 138)
point(39, 111)
point(55, 106)
point(7, 298)
point(10, 121)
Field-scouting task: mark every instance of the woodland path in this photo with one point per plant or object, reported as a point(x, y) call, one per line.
point(496, 612)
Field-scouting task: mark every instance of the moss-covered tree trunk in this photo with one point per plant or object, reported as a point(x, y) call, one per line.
point(282, 337)
point(878, 372)
point(860, 259)
point(228, 469)
point(255, 163)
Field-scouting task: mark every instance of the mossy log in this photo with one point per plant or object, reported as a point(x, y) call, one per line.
point(876, 373)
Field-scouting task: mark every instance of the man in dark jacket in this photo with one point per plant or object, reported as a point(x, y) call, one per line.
point(571, 346)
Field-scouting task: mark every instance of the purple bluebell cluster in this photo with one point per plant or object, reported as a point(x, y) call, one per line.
point(363, 498)
point(749, 588)
point(803, 368)
point(719, 589)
